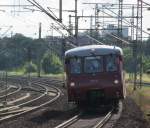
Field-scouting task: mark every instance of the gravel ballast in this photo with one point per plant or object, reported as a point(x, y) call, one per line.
point(59, 111)
point(132, 116)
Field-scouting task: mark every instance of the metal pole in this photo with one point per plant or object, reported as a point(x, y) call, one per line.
point(133, 49)
point(91, 32)
point(39, 57)
point(103, 19)
point(76, 21)
point(135, 64)
point(5, 102)
point(40, 29)
point(29, 62)
point(60, 11)
point(96, 20)
point(52, 30)
point(91, 23)
point(141, 49)
point(132, 24)
point(70, 25)
point(136, 44)
point(120, 13)
point(139, 41)
point(63, 58)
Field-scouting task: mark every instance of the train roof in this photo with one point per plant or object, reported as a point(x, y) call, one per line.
point(96, 49)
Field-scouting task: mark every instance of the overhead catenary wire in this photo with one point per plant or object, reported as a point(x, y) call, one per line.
point(33, 2)
point(112, 35)
point(58, 30)
point(41, 8)
point(54, 18)
point(52, 12)
point(123, 20)
point(61, 24)
point(62, 10)
point(6, 31)
point(116, 37)
point(94, 39)
point(145, 2)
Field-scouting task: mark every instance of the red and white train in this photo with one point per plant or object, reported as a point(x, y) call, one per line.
point(95, 73)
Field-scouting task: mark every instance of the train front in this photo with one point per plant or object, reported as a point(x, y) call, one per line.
point(94, 75)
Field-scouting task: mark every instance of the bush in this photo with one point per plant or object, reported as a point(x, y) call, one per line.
point(148, 71)
point(128, 60)
point(51, 63)
point(30, 67)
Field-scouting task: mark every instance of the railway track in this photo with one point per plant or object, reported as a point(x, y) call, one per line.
point(13, 89)
point(45, 87)
point(46, 95)
point(98, 119)
point(81, 121)
point(3, 87)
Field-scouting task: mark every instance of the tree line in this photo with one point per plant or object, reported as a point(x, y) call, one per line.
point(129, 56)
point(20, 53)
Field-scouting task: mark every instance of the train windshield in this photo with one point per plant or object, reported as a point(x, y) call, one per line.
point(75, 64)
point(93, 64)
point(111, 63)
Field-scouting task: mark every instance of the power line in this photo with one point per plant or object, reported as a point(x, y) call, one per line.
point(51, 16)
point(7, 5)
point(9, 28)
point(123, 20)
point(94, 39)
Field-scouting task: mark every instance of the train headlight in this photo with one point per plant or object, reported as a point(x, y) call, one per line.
point(116, 81)
point(72, 84)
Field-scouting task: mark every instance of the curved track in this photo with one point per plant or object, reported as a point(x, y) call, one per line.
point(44, 95)
point(11, 91)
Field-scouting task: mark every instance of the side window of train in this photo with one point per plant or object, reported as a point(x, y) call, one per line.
point(93, 64)
point(75, 64)
point(111, 64)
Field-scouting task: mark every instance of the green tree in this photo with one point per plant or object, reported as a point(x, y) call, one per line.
point(146, 63)
point(30, 67)
point(128, 60)
point(51, 63)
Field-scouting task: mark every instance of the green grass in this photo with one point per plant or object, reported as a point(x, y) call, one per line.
point(20, 73)
point(142, 98)
point(145, 78)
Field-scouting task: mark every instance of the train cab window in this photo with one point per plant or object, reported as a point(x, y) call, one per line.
point(111, 64)
point(93, 64)
point(75, 65)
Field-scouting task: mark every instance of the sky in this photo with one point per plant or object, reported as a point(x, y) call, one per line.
point(23, 20)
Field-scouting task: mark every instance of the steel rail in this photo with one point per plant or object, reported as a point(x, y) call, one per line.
point(37, 98)
point(102, 122)
point(25, 103)
point(74, 119)
point(30, 101)
point(31, 109)
point(11, 93)
point(3, 90)
point(58, 92)
point(69, 122)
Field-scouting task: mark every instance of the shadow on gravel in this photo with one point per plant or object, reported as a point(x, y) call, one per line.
point(46, 116)
point(132, 116)
point(92, 112)
point(52, 115)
